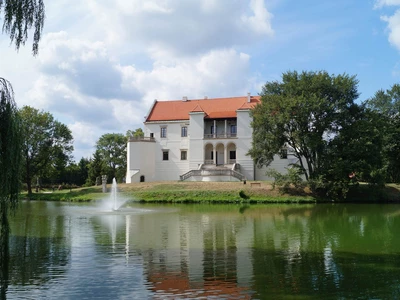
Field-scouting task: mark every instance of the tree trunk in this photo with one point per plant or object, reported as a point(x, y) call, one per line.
point(28, 179)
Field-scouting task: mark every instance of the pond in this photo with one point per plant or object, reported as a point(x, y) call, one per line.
point(80, 251)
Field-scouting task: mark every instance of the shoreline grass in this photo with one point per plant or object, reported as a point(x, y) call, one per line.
point(204, 192)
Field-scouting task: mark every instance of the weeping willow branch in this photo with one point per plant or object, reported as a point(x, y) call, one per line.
point(10, 154)
point(19, 17)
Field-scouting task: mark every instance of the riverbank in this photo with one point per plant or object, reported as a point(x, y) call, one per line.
point(214, 192)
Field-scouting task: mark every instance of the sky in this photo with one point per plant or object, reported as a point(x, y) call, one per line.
point(102, 63)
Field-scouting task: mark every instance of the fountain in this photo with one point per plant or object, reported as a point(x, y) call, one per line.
point(115, 203)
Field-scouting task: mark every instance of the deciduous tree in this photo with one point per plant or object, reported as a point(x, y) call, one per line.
point(387, 105)
point(302, 112)
point(138, 133)
point(315, 115)
point(112, 149)
point(47, 143)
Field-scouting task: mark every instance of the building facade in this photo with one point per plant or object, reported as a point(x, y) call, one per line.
point(198, 140)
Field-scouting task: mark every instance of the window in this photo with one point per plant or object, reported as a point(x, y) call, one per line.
point(212, 129)
point(233, 129)
point(151, 135)
point(232, 154)
point(165, 155)
point(283, 153)
point(183, 155)
point(163, 132)
point(212, 154)
point(183, 131)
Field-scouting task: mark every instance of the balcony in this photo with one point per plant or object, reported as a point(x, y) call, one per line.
point(220, 136)
point(141, 139)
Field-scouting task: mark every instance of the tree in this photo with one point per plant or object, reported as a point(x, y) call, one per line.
point(10, 155)
point(354, 154)
point(95, 169)
point(112, 150)
point(47, 144)
point(19, 17)
point(83, 170)
point(387, 105)
point(138, 133)
point(302, 112)
point(314, 114)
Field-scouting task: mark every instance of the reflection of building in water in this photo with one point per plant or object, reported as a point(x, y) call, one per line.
point(196, 258)
point(200, 255)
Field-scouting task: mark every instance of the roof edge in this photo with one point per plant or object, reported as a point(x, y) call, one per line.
point(150, 110)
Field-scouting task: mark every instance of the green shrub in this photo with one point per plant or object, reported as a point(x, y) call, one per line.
point(243, 195)
point(286, 183)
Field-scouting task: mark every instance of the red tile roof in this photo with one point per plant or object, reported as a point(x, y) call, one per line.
point(217, 108)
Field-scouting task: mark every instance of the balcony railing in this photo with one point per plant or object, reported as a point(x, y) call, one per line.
point(220, 135)
point(141, 139)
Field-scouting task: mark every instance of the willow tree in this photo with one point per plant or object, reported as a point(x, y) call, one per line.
point(10, 157)
point(18, 16)
point(10, 154)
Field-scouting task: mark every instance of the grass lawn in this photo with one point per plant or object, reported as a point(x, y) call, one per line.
point(176, 191)
point(198, 192)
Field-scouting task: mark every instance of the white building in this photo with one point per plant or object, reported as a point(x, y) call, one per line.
point(197, 140)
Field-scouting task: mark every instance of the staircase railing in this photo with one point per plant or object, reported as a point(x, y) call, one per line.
point(220, 172)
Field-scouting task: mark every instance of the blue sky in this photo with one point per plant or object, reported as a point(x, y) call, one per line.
point(102, 63)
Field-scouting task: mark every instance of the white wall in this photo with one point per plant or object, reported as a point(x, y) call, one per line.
point(196, 154)
point(140, 161)
point(173, 167)
point(243, 144)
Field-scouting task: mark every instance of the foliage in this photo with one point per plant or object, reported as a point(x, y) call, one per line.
point(111, 148)
point(314, 114)
point(387, 105)
point(243, 195)
point(353, 155)
point(19, 17)
point(67, 172)
point(10, 154)
point(96, 168)
point(301, 112)
point(286, 183)
point(138, 133)
point(47, 144)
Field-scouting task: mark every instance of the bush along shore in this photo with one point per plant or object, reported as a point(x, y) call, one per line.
point(213, 192)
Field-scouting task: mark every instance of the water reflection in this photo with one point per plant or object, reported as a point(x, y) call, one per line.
point(277, 251)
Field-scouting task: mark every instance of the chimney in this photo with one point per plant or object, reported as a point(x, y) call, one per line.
point(248, 97)
point(184, 98)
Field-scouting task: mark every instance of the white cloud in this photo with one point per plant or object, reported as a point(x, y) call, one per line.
point(101, 64)
point(217, 73)
point(260, 22)
point(393, 26)
point(85, 133)
point(381, 3)
point(184, 27)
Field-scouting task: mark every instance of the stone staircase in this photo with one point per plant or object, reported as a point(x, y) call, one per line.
point(217, 173)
